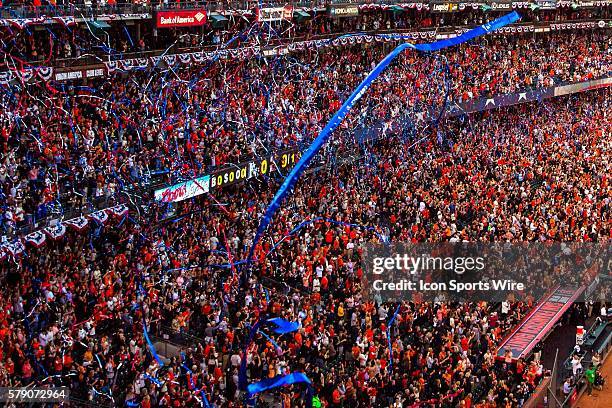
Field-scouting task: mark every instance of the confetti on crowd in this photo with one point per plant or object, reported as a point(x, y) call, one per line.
point(190, 197)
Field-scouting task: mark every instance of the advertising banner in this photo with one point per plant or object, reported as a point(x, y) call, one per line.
point(183, 191)
point(501, 6)
point(444, 7)
point(275, 13)
point(343, 10)
point(498, 101)
point(181, 18)
point(79, 74)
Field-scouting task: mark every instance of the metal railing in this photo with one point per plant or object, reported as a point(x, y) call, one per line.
point(178, 338)
point(89, 7)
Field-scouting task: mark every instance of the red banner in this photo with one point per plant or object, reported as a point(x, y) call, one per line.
point(181, 18)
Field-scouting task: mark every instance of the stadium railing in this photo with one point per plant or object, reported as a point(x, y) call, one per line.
point(89, 7)
point(179, 338)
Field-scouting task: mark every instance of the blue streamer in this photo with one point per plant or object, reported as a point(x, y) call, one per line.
point(267, 295)
point(339, 116)
point(127, 33)
point(204, 399)
point(153, 379)
point(242, 379)
point(151, 346)
point(389, 336)
point(99, 362)
point(271, 340)
point(202, 393)
point(278, 381)
point(283, 326)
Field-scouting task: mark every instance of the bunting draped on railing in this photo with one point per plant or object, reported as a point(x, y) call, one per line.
point(57, 231)
point(125, 65)
point(199, 57)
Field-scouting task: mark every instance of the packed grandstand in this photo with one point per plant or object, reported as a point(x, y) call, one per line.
point(188, 191)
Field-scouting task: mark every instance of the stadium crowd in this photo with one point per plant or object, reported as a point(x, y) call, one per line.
point(75, 145)
point(73, 313)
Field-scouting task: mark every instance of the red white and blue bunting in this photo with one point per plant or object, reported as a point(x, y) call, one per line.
point(27, 75)
point(99, 216)
point(56, 232)
point(66, 21)
point(120, 210)
point(13, 249)
point(37, 239)
point(199, 57)
point(575, 26)
point(79, 223)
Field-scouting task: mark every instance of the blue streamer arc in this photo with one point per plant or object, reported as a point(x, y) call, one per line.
point(278, 381)
point(339, 116)
point(150, 344)
point(145, 332)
